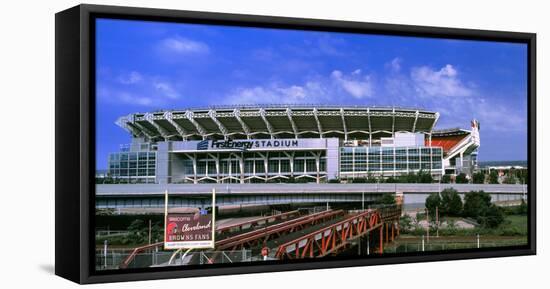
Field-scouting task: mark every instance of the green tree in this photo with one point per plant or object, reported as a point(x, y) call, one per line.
point(433, 201)
point(522, 208)
point(478, 178)
point(136, 233)
point(446, 179)
point(461, 179)
point(387, 199)
point(493, 177)
point(411, 178)
point(476, 204)
point(451, 203)
point(493, 217)
point(522, 176)
point(424, 177)
point(510, 179)
point(405, 223)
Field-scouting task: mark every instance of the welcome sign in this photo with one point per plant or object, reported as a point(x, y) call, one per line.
point(188, 230)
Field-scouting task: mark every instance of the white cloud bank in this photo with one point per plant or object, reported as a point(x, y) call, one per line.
point(135, 88)
point(443, 82)
point(356, 84)
point(183, 45)
point(313, 91)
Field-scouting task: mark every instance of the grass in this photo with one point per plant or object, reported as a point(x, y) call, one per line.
point(512, 232)
point(513, 225)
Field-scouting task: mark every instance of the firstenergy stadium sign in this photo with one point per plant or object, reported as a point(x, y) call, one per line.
point(246, 144)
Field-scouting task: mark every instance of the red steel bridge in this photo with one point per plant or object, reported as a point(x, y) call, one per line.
point(296, 234)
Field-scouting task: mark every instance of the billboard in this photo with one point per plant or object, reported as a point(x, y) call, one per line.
point(188, 230)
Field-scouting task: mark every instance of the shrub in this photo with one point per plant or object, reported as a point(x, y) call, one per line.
point(492, 218)
point(478, 178)
point(493, 177)
point(461, 179)
point(446, 179)
point(478, 205)
point(405, 223)
point(510, 179)
point(432, 202)
point(387, 199)
point(451, 203)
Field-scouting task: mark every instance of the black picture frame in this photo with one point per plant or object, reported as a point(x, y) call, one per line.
point(75, 138)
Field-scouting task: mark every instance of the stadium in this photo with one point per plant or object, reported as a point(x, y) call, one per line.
point(289, 143)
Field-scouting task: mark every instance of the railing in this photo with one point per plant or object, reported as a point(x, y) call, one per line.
point(330, 238)
point(152, 258)
point(296, 105)
point(404, 247)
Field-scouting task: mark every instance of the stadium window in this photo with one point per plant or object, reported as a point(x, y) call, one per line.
point(201, 168)
point(132, 156)
point(212, 168)
point(285, 166)
point(235, 168)
point(387, 167)
point(248, 166)
point(142, 156)
point(322, 164)
point(374, 167)
point(298, 166)
point(273, 166)
point(260, 168)
point(311, 166)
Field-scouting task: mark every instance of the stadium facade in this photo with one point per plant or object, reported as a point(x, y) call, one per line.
point(282, 143)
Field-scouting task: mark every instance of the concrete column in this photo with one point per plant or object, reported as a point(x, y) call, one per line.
point(317, 165)
point(163, 163)
point(195, 168)
point(241, 165)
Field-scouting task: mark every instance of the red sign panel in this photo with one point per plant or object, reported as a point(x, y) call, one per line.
point(188, 231)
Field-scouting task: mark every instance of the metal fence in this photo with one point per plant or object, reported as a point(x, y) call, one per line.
point(112, 258)
point(442, 245)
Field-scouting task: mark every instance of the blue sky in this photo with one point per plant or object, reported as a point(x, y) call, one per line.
point(145, 66)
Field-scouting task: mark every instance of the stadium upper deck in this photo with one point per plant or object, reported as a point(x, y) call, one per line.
point(279, 121)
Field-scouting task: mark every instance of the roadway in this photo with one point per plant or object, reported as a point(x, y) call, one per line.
point(306, 188)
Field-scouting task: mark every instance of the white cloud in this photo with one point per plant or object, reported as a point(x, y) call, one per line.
point(321, 89)
point(310, 92)
point(443, 82)
point(166, 89)
point(499, 117)
point(117, 96)
point(182, 45)
point(135, 88)
point(394, 65)
point(356, 84)
point(130, 78)
point(130, 98)
point(330, 45)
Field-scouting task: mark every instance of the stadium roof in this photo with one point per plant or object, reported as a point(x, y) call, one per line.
point(450, 132)
point(278, 121)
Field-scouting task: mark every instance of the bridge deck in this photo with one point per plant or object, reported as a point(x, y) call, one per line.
point(273, 244)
